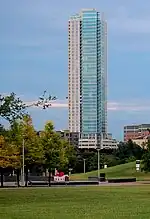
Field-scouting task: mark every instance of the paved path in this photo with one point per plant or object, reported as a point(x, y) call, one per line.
point(138, 183)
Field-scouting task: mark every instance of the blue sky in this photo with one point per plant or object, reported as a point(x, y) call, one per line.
point(33, 56)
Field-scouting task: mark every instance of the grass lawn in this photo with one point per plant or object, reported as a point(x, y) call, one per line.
point(119, 171)
point(123, 202)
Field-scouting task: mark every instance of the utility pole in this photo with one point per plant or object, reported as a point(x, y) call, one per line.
point(23, 181)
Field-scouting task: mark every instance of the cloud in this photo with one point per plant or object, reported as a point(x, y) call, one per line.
point(136, 107)
point(112, 106)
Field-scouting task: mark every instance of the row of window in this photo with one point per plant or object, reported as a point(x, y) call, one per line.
point(86, 18)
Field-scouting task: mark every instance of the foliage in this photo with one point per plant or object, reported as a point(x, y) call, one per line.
point(128, 152)
point(146, 158)
point(2, 130)
point(47, 149)
point(33, 149)
point(91, 160)
point(9, 154)
point(56, 151)
point(23, 131)
point(11, 107)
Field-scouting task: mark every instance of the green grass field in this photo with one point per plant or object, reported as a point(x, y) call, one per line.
point(99, 202)
point(120, 171)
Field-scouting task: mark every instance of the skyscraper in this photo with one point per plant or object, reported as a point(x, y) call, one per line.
point(87, 74)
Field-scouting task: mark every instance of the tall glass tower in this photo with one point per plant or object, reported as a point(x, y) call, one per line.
point(88, 73)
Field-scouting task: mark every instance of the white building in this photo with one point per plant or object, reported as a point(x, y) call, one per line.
point(94, 142)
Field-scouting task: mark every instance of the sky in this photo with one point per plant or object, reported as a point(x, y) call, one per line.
point(34, 56)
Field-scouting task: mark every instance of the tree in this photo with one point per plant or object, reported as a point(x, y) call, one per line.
point(71, 153)
point(128, 151)
point(56, 152)
point(51, 147)
point(33, 151)
point(2, 130)
point(91, 160)
point(23, 130)
point(11, 107)
point(146, 158)
point(9, 156)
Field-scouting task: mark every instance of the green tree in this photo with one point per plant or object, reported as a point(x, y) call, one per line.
point(146, 158)
point(71, 153)
point(128, 151)
point(11, 107)
point(23, 131)
point(9, 156)
point(57, 153)
point(51, 147)
point(33, 149)
point(2, 130)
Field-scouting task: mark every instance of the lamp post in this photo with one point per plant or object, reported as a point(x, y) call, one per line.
point(98, 162)
point(98, 155)
point(84, 163)
point(23, 159)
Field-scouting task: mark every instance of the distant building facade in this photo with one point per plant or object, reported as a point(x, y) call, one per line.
point(72, 137)
point(133, 132)
point(97, 141)
point(141, 142)
point(93, 141)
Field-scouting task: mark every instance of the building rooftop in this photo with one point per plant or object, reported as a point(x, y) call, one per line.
point(88, 9)
point(137, 125)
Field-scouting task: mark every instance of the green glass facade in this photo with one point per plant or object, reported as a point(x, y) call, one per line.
point(90, 31)
point(93, 88)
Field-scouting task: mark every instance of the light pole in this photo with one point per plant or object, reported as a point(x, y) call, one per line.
point(98, 155)
point(84, 164)
point(23, 181)
point(98, 162)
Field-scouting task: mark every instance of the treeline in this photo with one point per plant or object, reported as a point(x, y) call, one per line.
point(40, 152)
point(46, 150)
point(125, 153)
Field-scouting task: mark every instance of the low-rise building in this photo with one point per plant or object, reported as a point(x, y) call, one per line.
point(91, 141)
point(94, 142)
point(142, 141)
point(72, 137)
point(132, 132)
